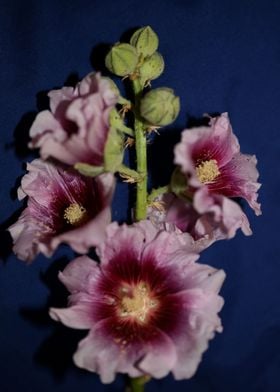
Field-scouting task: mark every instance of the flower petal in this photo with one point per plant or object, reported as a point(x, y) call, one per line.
point(78, 316)
point(80, 275)
point(161, 356)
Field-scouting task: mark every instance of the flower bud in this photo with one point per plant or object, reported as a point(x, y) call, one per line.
point(113, 85)
point(152, 68)
point(145, 41)
point(160, 106)
point(122, 59)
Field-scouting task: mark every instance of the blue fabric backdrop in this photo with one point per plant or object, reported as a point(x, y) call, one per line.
point(220, 56)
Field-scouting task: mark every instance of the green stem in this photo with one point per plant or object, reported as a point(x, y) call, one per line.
point(141, 156)
point(138, 384)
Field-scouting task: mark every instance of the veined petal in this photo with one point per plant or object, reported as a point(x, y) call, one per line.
point(153, 311)
point(62, 206)
point(214, 167)
point(76, 128)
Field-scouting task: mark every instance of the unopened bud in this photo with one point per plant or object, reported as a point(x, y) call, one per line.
point(160, 106)
point(152, 68)
point(122, 59)
point(145, 41)
point(113, 86)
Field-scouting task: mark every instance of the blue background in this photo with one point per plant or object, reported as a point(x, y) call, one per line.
point(220, 56)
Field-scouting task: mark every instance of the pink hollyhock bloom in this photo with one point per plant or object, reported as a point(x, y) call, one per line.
point(220, 219)
point(62, 206)
point(149, 307)
point(210, 157)
point(77, 126)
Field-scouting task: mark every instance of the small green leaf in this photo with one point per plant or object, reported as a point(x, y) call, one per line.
point(88, 170)
point(114, 150)
point(116, 122)
point(179, 185)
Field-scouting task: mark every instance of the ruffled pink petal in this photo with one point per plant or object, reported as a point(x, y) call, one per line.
point(98, 354)
point(80, 275)
point(58, 96)
point(77, 127)
point(180, 213)
point(93, 83)
point(225, 142)
point(203, 276)
point(160, 358)
point(198, 327)
point(77, 316)
point(220, 213)
point(239, 179)
point(38, 180)
point(171, 247)
point(43, 128)
point(132, 239)
point(23, 234)
point(69, 152)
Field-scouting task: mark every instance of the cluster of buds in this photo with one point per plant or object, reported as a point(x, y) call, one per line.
point(139, 60)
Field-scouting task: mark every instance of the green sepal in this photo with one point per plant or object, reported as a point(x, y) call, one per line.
point(114, 150)
point(88, 170)
point(145, 41)
point(179, 185)
point(116, 121)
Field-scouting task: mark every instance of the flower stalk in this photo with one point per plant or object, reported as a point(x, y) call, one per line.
point(137, 384)
point(141, 155)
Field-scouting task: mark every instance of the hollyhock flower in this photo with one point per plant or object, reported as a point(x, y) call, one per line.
point(76, 127)
point(150, 308)
point(210, 158)
point(220, 219)
point(62, 206)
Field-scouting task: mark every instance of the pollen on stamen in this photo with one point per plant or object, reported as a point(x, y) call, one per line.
point(75, 214)
point(138, 304)
point(207, 171)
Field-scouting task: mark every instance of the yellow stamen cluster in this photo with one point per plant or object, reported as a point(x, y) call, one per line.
point(207, 171)
point(138, 303)
point(75, 214)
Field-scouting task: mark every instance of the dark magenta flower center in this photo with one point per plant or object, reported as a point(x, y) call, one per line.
point(139, 299)
point(136, 302)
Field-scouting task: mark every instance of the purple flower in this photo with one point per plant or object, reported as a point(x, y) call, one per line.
point(76, 128)
point(62, 206)
point(216, 172)
point(210, 157)
point(149, 307)
point(220, 218)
